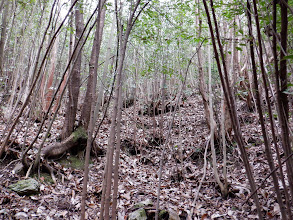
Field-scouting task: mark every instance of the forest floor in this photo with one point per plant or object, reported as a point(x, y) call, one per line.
point(138, 172)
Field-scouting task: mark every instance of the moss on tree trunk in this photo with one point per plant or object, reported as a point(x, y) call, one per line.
point(76, 139)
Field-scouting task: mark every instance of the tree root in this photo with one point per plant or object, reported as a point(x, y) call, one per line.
point(76, 139)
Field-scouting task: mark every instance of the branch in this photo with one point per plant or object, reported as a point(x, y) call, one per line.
point(136, 17)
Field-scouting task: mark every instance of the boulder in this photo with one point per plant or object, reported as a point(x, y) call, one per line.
point(139, 214)
point(21, 215)
point(26, 187)
point(18, 168)
point(173, 215)
point(163, 214)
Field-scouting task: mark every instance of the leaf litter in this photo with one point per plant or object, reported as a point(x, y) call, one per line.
point(138, 171)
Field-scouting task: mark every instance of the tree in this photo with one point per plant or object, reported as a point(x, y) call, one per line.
point(91, 95)
point(74, 78)
point(114, 139)
point(230, 99)
point(93, 69)
point(3, 34)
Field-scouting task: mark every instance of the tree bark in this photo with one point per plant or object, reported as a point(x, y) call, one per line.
point(3, 35)
point(92, 104)
point(116, 117)
point(93, 71)
point(282, 98)
point(258, 102)
point(74, 80)
point(77, 137)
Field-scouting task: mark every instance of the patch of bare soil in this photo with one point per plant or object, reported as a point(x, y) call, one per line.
point(143, 143)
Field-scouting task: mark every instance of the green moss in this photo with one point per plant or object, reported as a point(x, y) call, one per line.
point(139, 214)
point(73, 162)
point(45, 177)
point(79, 133)
point(142, 204)
point(26, 187)
point(163, 214)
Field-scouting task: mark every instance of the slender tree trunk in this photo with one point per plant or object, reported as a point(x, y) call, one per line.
point(116, 118)
point(48, 90)
point(92, 120)
point(230, 102)
point(276, 70)
point(74, 80)
point(202, 84)
point(63, 84)
point(3, 35)
point(258, 102)
point(105, 71)
point(86, 108)
point(224, 191)
point(281, 86)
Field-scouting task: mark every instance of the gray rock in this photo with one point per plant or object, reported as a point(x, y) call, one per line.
point(21, 215)
point(18, 168)
point(3, 211)
point(139, 214)
point(26, 187)
point(173, 215)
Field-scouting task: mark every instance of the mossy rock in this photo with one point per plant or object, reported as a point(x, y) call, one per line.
point(26, 187)
point(163, 214)
point(139, 214)
point(173, 215)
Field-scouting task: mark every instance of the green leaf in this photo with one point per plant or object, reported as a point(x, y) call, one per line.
point(288, 92)
point(288, 57)
point(238, 48)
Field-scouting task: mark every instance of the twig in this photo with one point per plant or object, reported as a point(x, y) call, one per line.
point(29, 171)
point(10, 163)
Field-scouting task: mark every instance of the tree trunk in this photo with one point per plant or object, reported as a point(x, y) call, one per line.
point(202, 85)
point(77, 138)
point(116, 118)
point(230, 100)
point(258, 102)
point(92, 104)
point(47, 89)
point(105, 71)
point(86, 107)
point(3, 35)
point(74, 80)
point(282, 98)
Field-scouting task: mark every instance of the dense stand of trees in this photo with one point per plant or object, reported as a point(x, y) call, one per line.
point(78, 58)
